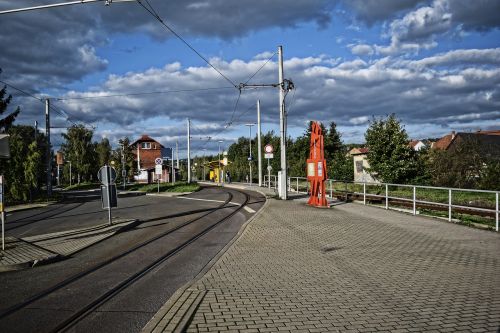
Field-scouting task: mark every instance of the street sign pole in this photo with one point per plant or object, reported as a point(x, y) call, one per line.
point(2, 212)
point(108, 184)
point(268, 174)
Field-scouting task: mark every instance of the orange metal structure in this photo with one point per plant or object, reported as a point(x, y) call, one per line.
point(316, 167)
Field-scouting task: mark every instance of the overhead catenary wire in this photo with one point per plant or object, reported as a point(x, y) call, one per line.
point(155, 15)
point(142, 93)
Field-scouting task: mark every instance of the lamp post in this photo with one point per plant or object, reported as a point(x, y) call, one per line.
point(218, 157)
point(204, 152)
point(250, 151)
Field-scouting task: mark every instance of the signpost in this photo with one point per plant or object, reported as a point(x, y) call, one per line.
point(268, 153)
point(4, 153)
point(158, 170)
point(107, 176)
point(2, 212)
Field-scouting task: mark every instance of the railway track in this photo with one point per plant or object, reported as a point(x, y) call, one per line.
point(89, 306)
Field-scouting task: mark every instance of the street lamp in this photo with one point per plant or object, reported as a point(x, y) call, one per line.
point(218, 157)
point(250, 150)
point(204, 151)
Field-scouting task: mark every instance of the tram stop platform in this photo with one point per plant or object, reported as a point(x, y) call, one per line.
point(25, 252)
point(351, 268)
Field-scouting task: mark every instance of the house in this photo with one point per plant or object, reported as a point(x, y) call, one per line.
point(417, 145)
point(361, 166)
point(488, 142)
point(147, 150)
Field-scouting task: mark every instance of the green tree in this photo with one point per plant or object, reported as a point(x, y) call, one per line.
point(124, 154)
point(24, 169)
point(391, 158)
point(33, 165)
point(103, 150)
point(7, 121)
point(339, 163)
point(78, 149)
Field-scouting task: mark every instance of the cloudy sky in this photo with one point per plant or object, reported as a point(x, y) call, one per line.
point(434, 63)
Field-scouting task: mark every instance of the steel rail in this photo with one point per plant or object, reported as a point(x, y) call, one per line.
point(98, 266)
point(90, 307)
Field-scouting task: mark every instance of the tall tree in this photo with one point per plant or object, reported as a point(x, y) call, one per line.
point(78, 149)
point(6, 122)
point(390, 156)
point(124, 154)
point(33, 165)
point(103, 150)
point(339, 163)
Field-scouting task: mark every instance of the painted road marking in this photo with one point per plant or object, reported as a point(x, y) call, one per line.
point(248, 209)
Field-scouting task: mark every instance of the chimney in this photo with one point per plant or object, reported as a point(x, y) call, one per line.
point(452, 135)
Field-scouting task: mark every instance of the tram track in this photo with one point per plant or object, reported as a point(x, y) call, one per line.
point(91, 306)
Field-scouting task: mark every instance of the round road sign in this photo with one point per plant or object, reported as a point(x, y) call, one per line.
point(268, 149)
point(102, 175)
point(158, 161)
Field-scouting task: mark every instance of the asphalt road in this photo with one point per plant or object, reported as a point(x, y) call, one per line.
point(130, 309)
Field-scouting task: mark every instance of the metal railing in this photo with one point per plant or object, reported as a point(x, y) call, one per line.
point(271, 183)
point(486, 202)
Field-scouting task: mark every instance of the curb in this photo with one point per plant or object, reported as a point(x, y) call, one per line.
point(13, 209)
point(177, 297)
point(57, 256)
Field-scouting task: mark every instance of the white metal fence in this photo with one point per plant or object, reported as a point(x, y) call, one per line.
point(473, 202)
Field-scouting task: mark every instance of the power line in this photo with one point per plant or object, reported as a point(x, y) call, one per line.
point(142, 93)
point(155, 15)
point(251, 77)
point(22, 91)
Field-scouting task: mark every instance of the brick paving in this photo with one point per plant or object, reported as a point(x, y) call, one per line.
point(351, 268)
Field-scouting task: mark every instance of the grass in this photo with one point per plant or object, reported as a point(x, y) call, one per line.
point(462, 198)
point(164, 187)
point(83, 186)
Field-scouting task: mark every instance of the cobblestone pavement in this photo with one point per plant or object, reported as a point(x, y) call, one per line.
point(351, 268)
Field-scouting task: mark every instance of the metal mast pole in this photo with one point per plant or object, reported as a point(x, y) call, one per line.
point(177, 152)
point(124, 171)
point(250, 151)
point(49, 158)
point(173, 170)
point(283, 180)
point(189, 150)
point(259, 152)
point(218, 172)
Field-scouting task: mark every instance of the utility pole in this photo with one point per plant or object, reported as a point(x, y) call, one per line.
point(177, 152)
point(124, 170)
point(283, 180)
point(189, 150)
point(250, 151)
point(49, 158)
point(218, 157)
point(36, 130)
point(204, 152)
point(259, 152)
point(173, 170)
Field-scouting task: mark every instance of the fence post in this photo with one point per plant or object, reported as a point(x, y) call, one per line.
point(414, 200)
point(449, 205)
point(386, 196)
point(297, 184)
point(364, 193)
point(331, 189)
point(496, 213)
point(346, 195)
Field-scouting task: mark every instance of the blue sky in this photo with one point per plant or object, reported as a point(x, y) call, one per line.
point(435, 64)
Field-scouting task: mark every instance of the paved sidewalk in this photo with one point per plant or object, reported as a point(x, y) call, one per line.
point(29, 251)
point(351, 268)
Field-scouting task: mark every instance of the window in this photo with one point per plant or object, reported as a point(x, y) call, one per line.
point(146, 145)
point(359, 166)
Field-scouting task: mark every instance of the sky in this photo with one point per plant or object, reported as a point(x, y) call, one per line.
point(433, 63)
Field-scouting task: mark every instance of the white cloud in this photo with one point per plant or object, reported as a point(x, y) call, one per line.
point(361, 49)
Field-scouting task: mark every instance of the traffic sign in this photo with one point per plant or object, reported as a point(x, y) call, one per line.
point(268, 149)
point(102, 175)
point(269, 168)
point(269, 155)
point(158, 169)
point(108, 194)
point(158, 161)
